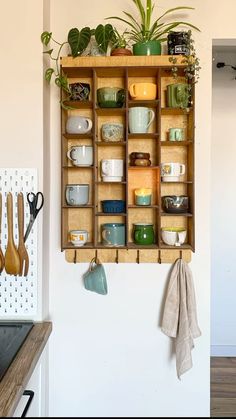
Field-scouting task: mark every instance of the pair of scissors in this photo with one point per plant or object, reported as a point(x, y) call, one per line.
point(36, 202)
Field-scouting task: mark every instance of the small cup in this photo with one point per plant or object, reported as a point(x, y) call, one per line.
point(143, 196)
point(176, 134)
point(173, 236)
point(95, 279)
point(78, 237)
point(112, 132)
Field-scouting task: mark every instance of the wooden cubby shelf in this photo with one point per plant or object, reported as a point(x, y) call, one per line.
point(122, 72)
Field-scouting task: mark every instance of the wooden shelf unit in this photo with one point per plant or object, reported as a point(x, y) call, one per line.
point(122, 71)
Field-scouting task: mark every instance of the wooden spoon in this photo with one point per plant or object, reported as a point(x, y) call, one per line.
point(2, 262)
point(24, 258)
point(12, 259)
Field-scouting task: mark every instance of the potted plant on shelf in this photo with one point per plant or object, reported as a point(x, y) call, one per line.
point(120, 44)
point(77, 42)
point(192, 66)
point(146, 35)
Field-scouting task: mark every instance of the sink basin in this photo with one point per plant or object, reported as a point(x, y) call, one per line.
point(12, 336)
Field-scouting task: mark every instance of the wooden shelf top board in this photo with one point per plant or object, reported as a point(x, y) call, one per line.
point(131, 61)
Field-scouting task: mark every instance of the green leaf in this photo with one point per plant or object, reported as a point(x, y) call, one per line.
point(78, 40)
point(103, 35)
point(175, 8)
point(148, 14)
point(141, 10)
point(48, 74)
point(45, 37)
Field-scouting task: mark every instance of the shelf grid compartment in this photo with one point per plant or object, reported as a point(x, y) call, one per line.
point(155, 142)
point(18, 294)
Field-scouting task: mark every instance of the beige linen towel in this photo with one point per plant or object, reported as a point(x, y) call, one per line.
point(180, 315)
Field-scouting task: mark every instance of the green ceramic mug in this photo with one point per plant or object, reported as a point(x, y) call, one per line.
point(177, 95)
point(95, 279)
point(143, 233)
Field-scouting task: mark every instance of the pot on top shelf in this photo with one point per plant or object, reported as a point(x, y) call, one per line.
point(147, 48)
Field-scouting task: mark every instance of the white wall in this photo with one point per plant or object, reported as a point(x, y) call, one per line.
point(107, 353)
point(223, 204)
point(21, 105)
point(108, 356)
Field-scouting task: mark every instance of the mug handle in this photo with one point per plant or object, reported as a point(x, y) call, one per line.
point(69, 154)
point(68, 199)
point(105, 235)
point(182, 169)
point(105, 168)
point(151, 117)
point(90, 124)
point(131, 90)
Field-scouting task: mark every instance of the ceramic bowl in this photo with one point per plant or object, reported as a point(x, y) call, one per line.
point(175, 204)
point(113, 205)
point(110, 97)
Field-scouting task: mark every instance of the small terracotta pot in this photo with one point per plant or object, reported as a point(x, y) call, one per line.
point(121, 51)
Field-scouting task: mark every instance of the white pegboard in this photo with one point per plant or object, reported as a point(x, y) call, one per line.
point(18, 294)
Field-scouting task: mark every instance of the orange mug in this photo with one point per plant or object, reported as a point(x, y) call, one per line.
point(143, 91)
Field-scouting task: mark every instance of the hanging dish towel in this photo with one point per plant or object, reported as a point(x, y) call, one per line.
point(180, 315)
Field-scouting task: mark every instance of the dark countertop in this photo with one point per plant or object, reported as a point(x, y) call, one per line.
point(18, 374)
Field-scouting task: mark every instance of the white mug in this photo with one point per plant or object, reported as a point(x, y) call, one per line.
point(112, 170)
point(81, 155)
point(77, 124)
point(171, 172)
point(140, 118)
point(77, 194)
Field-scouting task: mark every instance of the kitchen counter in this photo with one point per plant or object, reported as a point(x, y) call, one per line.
point(18, 374)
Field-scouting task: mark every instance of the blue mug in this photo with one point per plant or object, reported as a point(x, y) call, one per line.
point(95, 279)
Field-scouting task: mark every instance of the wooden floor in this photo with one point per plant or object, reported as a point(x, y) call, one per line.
point(223, 387)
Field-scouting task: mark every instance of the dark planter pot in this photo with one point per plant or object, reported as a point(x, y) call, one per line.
point(178, 43)
point(121, 51)
point(147, 48)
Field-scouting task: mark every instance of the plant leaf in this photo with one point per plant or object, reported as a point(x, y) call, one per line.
point(45, 37)
point(172, 10)
point(48, 74)
point(148, 14)
point(141, 10)
point(103, 35)
point(78, 40)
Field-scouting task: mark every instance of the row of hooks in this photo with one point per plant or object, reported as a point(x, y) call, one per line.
point(117, 256)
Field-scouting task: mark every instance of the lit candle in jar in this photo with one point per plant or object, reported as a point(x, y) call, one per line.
point(143, 196)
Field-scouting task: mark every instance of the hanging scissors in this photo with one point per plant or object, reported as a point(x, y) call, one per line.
point(36, 202)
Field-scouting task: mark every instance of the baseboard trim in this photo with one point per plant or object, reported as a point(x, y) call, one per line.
point(223, 350)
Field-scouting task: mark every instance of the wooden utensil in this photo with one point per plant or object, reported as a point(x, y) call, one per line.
point(12, 259)
point(24, 258)
point(2, 260)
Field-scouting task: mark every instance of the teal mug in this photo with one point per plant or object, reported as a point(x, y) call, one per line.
point(176, 134)
point(95, 279)
point(177, 95)
point(143, 233)
point(113, 234)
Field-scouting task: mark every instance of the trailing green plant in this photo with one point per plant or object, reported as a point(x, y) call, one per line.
point(191, 64)
point(145, 30)
point(77, 41)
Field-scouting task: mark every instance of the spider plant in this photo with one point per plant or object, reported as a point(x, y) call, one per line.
point(145, 30)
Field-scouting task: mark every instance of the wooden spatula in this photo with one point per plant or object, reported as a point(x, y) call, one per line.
point(24, 258)
point(2, 261)
point(12, 259)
